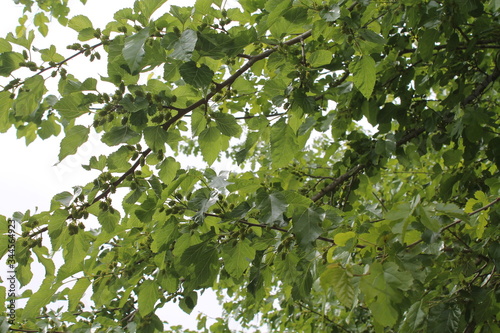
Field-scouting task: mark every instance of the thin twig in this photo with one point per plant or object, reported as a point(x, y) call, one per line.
point(334, 185)
point(381, 202)
point(181, 112)
point(458, 221)
point(481, 87)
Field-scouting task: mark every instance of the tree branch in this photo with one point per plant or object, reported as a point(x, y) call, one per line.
point(409, 136)
point(59, 64)
point(458, 221)
point(265, 226)
point(181, 112)
point(337, 182)
point(482, 87)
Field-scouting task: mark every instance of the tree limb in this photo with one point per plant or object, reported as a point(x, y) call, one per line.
point(337, 182)
point(458, 221)
point(482, 87)
point(409, 136)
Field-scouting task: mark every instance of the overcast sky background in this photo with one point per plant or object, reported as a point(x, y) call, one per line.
point(29, 176)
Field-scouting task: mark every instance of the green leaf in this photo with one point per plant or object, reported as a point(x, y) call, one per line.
point(119, 134)
point(43, 257)
point(133, 50)
point(109, 220)
point(71, 106)
point(118, 160)
point(79, 22)
point(165, 234)
point(414, 319)
point(203, 6)
point(276, 8)
point(49, 127)
point(283, 27)
point(168, 170)
point(198, 77)
point(71, 85)
point(74, 250)
point(272, 206)
point(364, 74)
point(200, 202)
point(5, 46)
point(181, 13)
point(452, 210)
point(399, 212)
point(427, 220)
point(227, 124)
point(50, 54)
point(5, 105)
point(426, 43)
point(444, 318)
point(342, 238)
point(238, 258)
point(383, 289)
point(86, 34)
point(452, 157)
point(320, 58)
point(148, 7)
point(198, 122)
point(40, 298)
point(284, 144)
point(75, 137)
point(307, 225)
point(76, 293)
point(188, 302)
point(171, 71)
point(341, 281)
point(203, 258)
point(287, 268)
point(98, 164)
point(332, 14)
point(372, 36)
point(30, 97)
point(184, 46)
point(64, 198)
point(155, 137)
point(147, 297)
point(302, 104)
point(57, 223)
point(210, 144)
point(9, 62)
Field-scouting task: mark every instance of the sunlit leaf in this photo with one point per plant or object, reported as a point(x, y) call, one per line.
point(364, 75)
point(227, 124)
point(79, 22)
point(148, 295)
point(75, 137)
point(341, 281)
point(155, 137)
point(210, 144)
point(238, 258)
point(283, 144)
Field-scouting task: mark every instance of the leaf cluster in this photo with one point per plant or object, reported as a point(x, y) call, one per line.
point(322, 225)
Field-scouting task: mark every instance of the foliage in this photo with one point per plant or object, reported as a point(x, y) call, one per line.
point(324, 226)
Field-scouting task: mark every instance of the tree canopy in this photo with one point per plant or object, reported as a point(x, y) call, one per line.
point(322, 225)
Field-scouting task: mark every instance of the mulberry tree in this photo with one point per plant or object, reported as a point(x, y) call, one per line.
point(322, 224)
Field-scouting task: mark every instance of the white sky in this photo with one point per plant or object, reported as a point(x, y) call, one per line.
point(28, 177)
